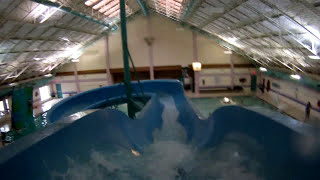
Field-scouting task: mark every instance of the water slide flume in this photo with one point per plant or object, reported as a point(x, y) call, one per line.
point(168, 128)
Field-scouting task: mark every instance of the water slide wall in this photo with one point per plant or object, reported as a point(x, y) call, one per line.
point(287, 149)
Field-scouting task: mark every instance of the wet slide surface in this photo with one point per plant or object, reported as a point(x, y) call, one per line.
point(167, 140)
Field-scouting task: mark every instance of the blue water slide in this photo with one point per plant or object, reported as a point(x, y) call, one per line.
point(35, 158)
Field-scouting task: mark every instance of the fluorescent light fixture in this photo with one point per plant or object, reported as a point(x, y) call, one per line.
point(227, 52)
point(90, 2)
point(12, 84)
point(48, 75)
point(48, 15)
point(295, 76)
point(262, 69)
point(37, 59)
point(232, 40)
point(65, 39)
point(314, 57)
point(196, 66)
point(226, 100)
point(75, 60)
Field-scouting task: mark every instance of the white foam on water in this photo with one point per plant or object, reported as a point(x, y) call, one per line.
point(169, 158)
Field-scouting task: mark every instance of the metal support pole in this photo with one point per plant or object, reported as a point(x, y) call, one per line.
point(75, 71)
point(196, 82)
point(109, 75)
point(195, 46)
point(22, 109)
point(195, 59)
point(127, 78)
point(150, 46)
point(232, 71)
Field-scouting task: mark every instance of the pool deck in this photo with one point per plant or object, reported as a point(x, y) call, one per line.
point(289, 110)
point(292, 111)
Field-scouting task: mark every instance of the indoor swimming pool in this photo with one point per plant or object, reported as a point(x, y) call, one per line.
point(168, 139)
point(207, 106)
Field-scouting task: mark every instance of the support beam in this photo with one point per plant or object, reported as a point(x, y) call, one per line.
point(292, 18)
point(195, 46)
point(37, 39)
point(150, 47)
point(271, 34)
point(76, 78)
point(70, 11)
point(107, 53)
point(125, 51)
point(254, 10)
point(195, 59)
point(191, 8)
point(232, 71)
point(248, 23)
point(215, 17)
point(143, 7)
point(273, 47)
point(22, 110)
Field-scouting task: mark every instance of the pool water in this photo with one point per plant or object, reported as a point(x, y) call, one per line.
point(170, 157)
point(206, 106)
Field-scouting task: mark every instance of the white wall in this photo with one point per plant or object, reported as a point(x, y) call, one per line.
point(295, 93)
point(173, 45)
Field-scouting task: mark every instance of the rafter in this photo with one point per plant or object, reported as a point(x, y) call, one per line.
point(215, 17)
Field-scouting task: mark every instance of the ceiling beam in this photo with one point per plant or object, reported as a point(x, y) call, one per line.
point(34, 51)
point(215, 17)
point(70, 11)
point(143, 7)
point(191, 8)
point(37, 39)
point(273, 47)
point(241, 25)
point(271, 34)
point(286, 14)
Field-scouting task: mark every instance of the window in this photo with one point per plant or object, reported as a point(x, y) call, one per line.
point(1, 106)
point(44, 93)
point(4, 106)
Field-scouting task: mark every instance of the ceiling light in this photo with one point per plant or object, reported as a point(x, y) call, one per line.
point(262, 69)
point(75, 60)
point(295, 76)
point(65, 39)
point(227, 52)
point(226, 100)
point(314, 57)
point(196, 66)
point(38, 59)
point(48, 75)
point(49, 14)
point(12, 84)
point(90, 2)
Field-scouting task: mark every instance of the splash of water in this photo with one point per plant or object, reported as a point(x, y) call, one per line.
point(169, 158)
